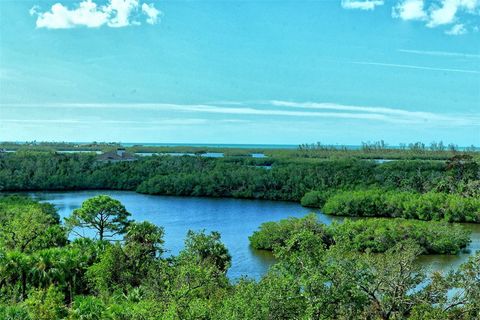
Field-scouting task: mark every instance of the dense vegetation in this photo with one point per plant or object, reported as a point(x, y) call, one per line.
point(367, 150)
point(276, 234)
point(380, 235)
point(427, 206)
point(316, 198)
point(288, 179)
point(418, 189)
point(375, 235)
point(133, 279)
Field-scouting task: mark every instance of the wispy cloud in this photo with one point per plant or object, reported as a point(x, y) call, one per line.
point(115, 14)
point(285, 109)
point(408, 66)
point(340, 107)
point(394, 115)
point(453, 13)
point(456, 30)
point(361, 4)
point(441, 53)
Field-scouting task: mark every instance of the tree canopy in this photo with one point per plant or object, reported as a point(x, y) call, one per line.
point(102, 213)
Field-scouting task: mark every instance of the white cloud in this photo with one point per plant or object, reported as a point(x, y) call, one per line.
point(439, 13)
point(361, 4)
point(120, 12)
point(151, 12)
point(444, 14)
point(409, 10)
point(456, 30)
point(116, 13)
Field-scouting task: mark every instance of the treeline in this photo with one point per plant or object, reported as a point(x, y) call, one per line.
point(374, 235)
point(283, 179)
point(134, 279)
point(381, 150)
point(57, 146)
point(409, 205)
point(367, 150)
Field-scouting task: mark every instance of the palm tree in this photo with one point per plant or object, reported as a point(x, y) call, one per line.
point(47, 268)
point(14, 266)
point(74, 264)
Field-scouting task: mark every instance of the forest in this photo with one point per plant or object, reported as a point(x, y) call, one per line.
point(123, 271)
point(374, 235)
point(357, 269)
point(414, 189)
point(367, 150)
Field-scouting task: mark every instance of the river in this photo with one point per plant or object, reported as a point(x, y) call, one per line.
point(235, 219)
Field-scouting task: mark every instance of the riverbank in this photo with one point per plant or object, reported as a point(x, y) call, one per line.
point(235, 219)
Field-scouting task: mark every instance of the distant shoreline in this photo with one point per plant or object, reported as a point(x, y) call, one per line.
point(207, 145)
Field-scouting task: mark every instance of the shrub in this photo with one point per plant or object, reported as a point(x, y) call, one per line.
point(272, 234)
point(315, 199)
point(46, 304)
point(378, 235)
point(14, 312)
point(410, 205)
point(374, 234)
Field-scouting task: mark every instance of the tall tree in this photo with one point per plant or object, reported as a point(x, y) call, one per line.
point(102, 213)
point(28, 228)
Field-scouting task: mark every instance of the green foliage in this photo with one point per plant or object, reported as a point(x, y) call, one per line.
point(321, 272)
point(292, 174)
point(46, 304)
point(206, 249)
point(315, 199)
point(14, 312)
point(273, 234)
point(27, 225)
point(144, 240)
point(134, 310)
point(122, 267)
point(376, 235)
point(87, 308)
point(111, 272)
point(105, 215)
point(428, 206)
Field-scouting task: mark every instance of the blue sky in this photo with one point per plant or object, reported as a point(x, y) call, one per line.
point(278, 72)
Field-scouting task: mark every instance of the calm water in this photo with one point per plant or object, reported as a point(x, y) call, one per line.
point(235, 219)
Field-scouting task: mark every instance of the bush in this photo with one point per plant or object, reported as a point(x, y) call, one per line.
point(410, 205)
point(14, 312)
point(46, 304)
point(315, 199)
point(378, 235)
point(87, 308)
point(375, 234)
point(272, 234)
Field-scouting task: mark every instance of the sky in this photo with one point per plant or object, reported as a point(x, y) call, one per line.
point(240, 72)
